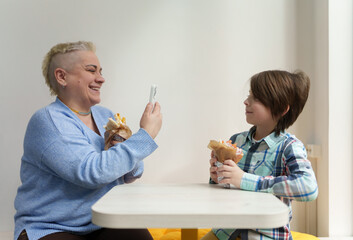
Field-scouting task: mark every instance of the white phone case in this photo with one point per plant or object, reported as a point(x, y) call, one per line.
point(153, 93)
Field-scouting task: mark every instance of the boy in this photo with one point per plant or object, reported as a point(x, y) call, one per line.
point(274, 161)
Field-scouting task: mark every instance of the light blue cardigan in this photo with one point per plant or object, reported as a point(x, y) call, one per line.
point(65, 170)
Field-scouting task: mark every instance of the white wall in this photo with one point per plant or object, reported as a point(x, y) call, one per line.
point(200, 52)
point(321, 108)
point(340, 118)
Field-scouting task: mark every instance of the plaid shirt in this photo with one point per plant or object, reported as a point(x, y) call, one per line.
point(277, 165)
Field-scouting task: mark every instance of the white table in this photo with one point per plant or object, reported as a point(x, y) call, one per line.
point(187, 206)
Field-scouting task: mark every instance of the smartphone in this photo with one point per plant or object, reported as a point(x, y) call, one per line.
point(153, 93)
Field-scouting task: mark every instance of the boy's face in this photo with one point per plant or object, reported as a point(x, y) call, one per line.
point(258, 114)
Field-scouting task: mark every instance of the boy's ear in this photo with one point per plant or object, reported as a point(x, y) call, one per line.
point(285, 112)
point(60, 76)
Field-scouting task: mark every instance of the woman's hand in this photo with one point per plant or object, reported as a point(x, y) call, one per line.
point(213, 168)
point(151, 120)
point(231, 172)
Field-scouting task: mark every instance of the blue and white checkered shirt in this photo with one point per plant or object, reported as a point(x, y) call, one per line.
point(277, 165)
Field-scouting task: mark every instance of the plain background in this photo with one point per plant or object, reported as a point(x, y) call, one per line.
point(201, 54)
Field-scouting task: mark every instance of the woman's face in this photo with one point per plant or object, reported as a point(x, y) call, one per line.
point(84, 80)
point(257, 113)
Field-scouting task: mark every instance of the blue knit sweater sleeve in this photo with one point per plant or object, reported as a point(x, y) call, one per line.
point(70, 151)
point(74, 160)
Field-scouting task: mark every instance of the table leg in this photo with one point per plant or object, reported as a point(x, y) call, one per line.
point(189, 234)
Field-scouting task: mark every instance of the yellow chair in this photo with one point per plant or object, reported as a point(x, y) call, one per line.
point(172, 233)
point(175, 234)
point(303, 236)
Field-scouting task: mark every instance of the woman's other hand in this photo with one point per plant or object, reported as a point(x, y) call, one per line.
point(151, 120)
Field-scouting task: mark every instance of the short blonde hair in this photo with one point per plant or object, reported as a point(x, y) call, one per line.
point(54, 59)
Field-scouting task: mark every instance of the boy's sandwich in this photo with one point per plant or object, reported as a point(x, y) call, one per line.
point(225, 150)
point(116, 130)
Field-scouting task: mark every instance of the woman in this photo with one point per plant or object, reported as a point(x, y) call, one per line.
point(64, 168)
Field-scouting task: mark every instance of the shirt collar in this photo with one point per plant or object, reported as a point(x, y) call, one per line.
point(271, 140)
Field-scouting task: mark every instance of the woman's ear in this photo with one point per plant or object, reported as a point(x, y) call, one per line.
point(285, 112)
point(60, 76)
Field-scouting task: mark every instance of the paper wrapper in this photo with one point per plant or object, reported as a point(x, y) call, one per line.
point(116, 131)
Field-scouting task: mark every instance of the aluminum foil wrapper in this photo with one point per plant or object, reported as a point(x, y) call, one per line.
point(225, 185)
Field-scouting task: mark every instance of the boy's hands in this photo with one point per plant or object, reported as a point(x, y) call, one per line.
point(231, 172)
point(213, 168)
point(151, 120)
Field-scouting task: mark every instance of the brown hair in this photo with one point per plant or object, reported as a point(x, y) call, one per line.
point(279, 89)
point(54, 59)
